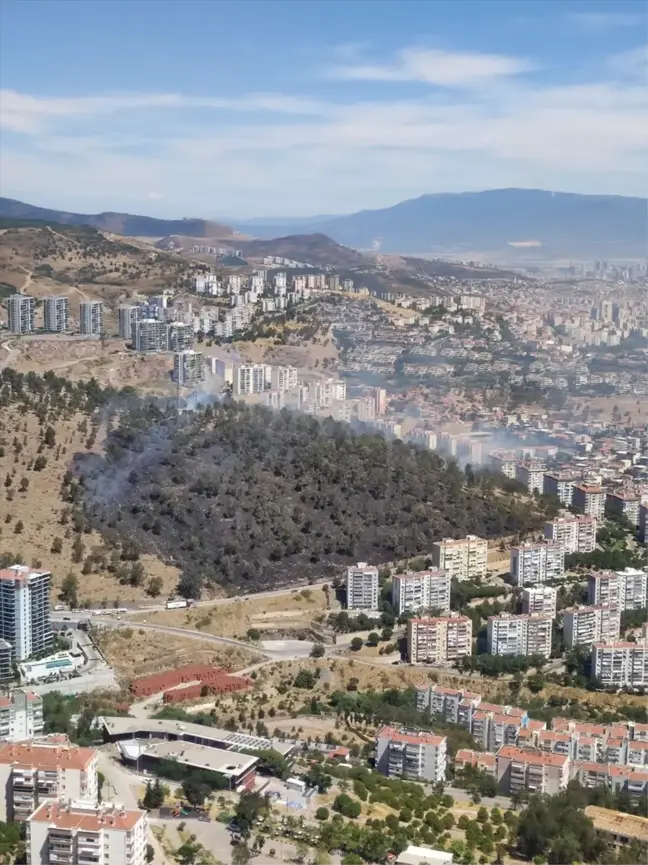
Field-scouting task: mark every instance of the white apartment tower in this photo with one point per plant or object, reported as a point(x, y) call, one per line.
point(625, 589)
point(531, 475)
point(589, 500)
point(283, 377)
point(248, 378)
point(56, 313)
point(412, 754)
point(188, 368)
point(463, 559)
point(362, 588)
point(519, 635)
point(21, 716)
point(421, 590)
point(91, 317)
point(621, 664)
point(127, 318)
point(438, 640)
point(532, 564)
point(72, 833)
point(560, 485)
point(576, 533)
point(539, 599)
point(25, 610)
point(179, 336)
point(149, 334)
point(21, 313)
point(583, 626)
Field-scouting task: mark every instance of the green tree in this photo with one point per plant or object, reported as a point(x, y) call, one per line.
point(195, 791)
point(322, 813)
point(356, 644)
point(317, 651)
point(241, 854)
point(69, 592)
point(154, 587)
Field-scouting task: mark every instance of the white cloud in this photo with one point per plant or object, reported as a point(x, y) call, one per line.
point(20, 112)
point(273, 153)
point(442, 68)
point(606, 20)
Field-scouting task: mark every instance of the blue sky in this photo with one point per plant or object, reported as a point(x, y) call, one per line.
point(295, 107)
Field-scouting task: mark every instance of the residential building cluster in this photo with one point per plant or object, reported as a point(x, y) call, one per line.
point(521, 754)
point(56, 315)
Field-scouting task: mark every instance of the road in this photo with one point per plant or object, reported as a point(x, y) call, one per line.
point(136, 609)
point(276, 650)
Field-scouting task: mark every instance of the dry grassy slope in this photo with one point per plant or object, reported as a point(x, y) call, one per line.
point(39, 510)
point(295, 610)
point(134, 652)
point(111, 363)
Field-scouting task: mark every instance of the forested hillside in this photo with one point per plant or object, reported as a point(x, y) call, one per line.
point(253, 498)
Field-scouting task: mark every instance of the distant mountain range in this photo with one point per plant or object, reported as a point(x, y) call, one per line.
point(507, 223)
point(116, 223)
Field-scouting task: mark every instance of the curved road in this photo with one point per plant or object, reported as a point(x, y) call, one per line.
point(278, 654)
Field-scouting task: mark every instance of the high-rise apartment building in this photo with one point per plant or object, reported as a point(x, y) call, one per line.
point(583, 626)
point(627, 589)
point(576, 533)
point(188, 368)
point(249, 378)
point(6, 661)
point(380, 401)
point(149, 335)
point(421, 590)
point(411, 754)
point(25, 610)
point(179, 336)
point(80, 833)
point(21, 716)
point(643, 522)
point(539, 599)
point(463, 559)
point(362, 588)
point(283, 377)
point(22, 310)
point(519, 634)
point(127, 317)
point(623, 505)
point(91, 317)
point(531, 475)
point(504, 463)
point(589, 500)
point(442, 639)
point(560, 485)
point(621, 664)
point(31, 773)
point(532, 564)
point(56, 314)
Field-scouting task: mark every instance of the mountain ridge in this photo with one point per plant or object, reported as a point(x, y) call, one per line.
point(510, 223)
point(550, 223)
point(126, 224)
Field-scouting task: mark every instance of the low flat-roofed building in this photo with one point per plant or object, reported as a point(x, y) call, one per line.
point(117, 729)
point(424, 856)
point(616, 827)
point(236, 768)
